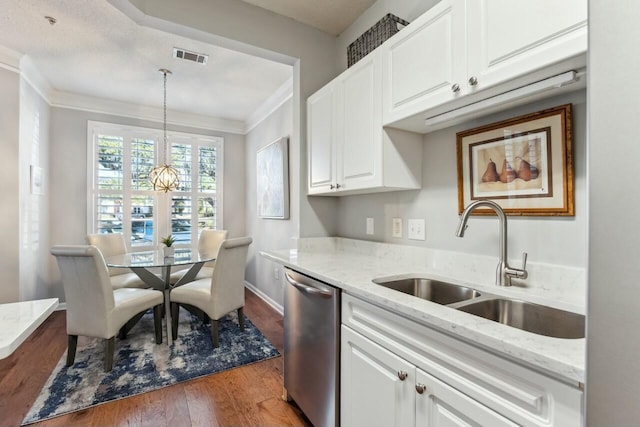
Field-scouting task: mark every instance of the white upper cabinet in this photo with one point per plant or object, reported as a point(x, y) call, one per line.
point(321, 118)
point(424, 61)
point(361, 132)
point(451, 54)
point(349, 152)
point(507, 39)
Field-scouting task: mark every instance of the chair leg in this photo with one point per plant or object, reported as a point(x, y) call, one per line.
point(175, 313)
point(157, 322)
point(109, 348)
point(241, 318)
point(71, 349)
point(214, 333)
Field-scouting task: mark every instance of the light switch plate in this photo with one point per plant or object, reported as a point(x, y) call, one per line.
point(416, 229)
point(369, 225)
point(396, 229)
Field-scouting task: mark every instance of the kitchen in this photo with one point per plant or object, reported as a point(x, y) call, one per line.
point(610, 363)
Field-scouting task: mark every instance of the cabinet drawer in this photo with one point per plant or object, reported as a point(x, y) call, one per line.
point(520, 394)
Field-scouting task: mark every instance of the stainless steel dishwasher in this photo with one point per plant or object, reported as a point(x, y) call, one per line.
point(312, 347)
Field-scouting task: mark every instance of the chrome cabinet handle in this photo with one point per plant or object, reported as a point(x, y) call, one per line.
point(473, 81)
point(421, 388)
point(308, 289)
point(455, 87)
point(402, 375)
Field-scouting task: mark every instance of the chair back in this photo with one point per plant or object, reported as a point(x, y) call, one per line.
point(110, 245)
point(227, 282)
point(209, 243)
point(87, 289)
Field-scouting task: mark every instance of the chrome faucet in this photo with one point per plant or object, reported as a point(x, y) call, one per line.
point(504, 273)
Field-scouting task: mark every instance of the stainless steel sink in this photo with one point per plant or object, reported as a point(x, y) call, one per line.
point(530, 317)
point(431, 290)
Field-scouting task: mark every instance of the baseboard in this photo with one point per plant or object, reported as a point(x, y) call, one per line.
point(266, 298)
point(61, 306)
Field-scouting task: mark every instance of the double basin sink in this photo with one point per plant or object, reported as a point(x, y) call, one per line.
point(535, 318)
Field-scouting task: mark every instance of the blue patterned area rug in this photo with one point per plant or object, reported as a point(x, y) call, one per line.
point(140, 365)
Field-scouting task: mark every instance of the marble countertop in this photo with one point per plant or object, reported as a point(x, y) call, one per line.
point(20, 319)
point(352, 265)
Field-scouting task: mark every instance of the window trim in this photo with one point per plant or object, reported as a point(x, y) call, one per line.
point(161, 215)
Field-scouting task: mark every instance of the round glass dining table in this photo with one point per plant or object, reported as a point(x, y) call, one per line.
point(142, 262)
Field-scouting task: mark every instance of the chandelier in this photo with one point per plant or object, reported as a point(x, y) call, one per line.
point(165, 177)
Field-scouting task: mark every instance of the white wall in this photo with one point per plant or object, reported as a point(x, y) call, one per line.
point(268, 234)
point(408, 10)
point(68, 177)
point(9, 185)
point(553, 240)
point(34, 208)
point(613, 347)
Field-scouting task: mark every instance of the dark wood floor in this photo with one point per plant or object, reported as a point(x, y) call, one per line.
point(245, 396)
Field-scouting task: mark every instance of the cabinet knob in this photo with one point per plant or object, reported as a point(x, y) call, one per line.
point(331, 187)
point(473, 81)
point(402, 375)
point(338, 185)
point(455, 87)
point(420, 388)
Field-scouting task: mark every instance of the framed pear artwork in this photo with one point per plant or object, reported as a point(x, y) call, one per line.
point(525, 164)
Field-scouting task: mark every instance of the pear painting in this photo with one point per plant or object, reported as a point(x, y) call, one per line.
point(491, 174)
point(526, 171)
point(507, 174)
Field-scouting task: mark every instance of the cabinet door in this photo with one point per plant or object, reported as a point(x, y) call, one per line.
point(372, 392)
point(321, 136)
point(507, 38)
point(424, 61)
point(360, 142)
point(440, 405)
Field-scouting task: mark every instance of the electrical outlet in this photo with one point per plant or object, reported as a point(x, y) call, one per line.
point(369, 225)
point(396, 229)
point(416, 229)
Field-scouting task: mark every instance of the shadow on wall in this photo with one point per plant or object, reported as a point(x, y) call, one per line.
point(326, 212)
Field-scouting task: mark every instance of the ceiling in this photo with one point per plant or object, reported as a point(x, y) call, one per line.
point(330, 16)
point(95, 50)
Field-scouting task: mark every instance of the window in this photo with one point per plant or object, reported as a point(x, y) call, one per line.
point(121, 199)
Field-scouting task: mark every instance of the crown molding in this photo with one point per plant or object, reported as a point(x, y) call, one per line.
point(92, 104)
point(275, 101)
point(10, 59)
point(29, 72)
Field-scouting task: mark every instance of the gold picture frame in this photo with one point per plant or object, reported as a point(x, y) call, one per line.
point(525, 164)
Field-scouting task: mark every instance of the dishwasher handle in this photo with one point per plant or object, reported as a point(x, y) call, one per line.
point(308, 288)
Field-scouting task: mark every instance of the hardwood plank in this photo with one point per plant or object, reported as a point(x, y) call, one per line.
point(176, 407)
point(244, 396)
point(201, 408)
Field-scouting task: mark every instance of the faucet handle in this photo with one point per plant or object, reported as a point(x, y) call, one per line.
point(518, 273)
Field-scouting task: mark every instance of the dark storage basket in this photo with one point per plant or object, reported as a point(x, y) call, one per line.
point(374, 37)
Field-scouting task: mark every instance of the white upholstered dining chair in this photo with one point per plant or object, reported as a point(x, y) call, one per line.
point(208, 245)
point(220, 294)
point(114, 244)
point(94, 307)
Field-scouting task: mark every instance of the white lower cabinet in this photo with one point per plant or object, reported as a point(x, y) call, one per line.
point(381, 389)
point(396, 372)
point(373, 390)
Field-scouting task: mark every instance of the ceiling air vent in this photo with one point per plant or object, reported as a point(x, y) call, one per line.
point(199, 58)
